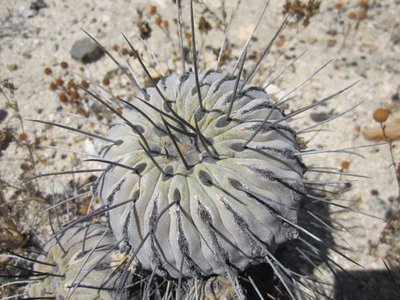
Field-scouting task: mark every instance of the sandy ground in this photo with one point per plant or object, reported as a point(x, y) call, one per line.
point(365, 48)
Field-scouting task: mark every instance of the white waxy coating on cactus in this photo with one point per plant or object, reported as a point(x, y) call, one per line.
point(232, 206)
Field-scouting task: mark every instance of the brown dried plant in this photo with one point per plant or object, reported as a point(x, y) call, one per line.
point(390, 232)
point(301, 11)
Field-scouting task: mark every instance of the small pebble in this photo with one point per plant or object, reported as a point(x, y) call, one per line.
point(12, 67)
point(331, 42)
point(86, 51)
point(27, 12)
point(320, 116)
point(3, 115)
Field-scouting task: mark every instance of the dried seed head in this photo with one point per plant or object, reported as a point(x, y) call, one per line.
point(204, 25)
point(331, 42)
point(115, 47)
point(71, 84)
point(84, 84)
point(75, 95)
point(47, 71)
point(362, 15)
point(280, 41)
point(165, 24)
point(22, 137)
point(59, 82)
point(153, 10)
point(105, 81)
point(345, 164)
point(339, 5)
point(63, 98)
point(158, 21)
point(124, 51)
point(132, 54)
point(64, 65)
point(352, 15)
point(53, 86)
point(381, 114)
point(363, 4)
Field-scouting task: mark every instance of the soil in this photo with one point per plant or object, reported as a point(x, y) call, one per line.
point(363, 41)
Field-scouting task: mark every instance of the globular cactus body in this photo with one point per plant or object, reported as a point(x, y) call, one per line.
point(203, 184)
point(81, 264)
point(202, 200)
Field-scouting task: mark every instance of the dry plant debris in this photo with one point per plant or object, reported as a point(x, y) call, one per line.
point(302, 11)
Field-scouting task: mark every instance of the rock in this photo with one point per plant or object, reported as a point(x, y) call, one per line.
point(27, 12)
point(3, 115)
point(392, 132)
point(395, 36)
point(320, 116)
point(33, 9)
point(331, 42)
point(38, 5)
point(27, 55)
point(12, 67)
point(86, 51)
